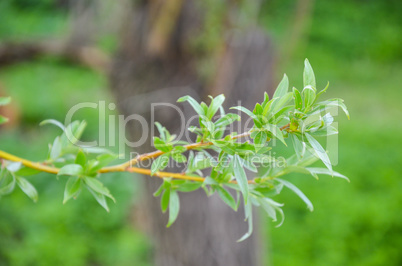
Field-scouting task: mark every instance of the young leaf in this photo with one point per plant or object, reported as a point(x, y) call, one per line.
point(161, 130)
point(27, 188)
point(309, 96)
point(277, 105)
point(7, 183)
point(226, 197)
point(298, 99)
point(276, 131)
point(240, 177)
point(53, 122)
point(260, 139)
point(160, 163)
point(298, 192)
point(100, 198)
point(26, 171)
point(71, 169)
point(319, 151)
point(56, 149)
point(174, 207)
point(73, 188)
point(325, 171)
point(165, 200)
point(299, 147)
point(248, 210)
point(282, 88)
point(216, 103)
point(197, 107)
point(245, 110)
point(14, 166)
point(81, 158)
point(308, 75)
point(162, 145)
point(189, 186)
point(98, 187)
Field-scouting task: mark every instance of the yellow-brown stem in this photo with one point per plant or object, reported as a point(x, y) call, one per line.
point(128, 166)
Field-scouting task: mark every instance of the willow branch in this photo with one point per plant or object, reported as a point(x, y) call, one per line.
point(53, 170)
point(128, 166)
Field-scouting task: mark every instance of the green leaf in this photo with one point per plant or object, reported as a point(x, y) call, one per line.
point(71, 169)
point(298, 192)
point(335, 103)
point(216, 103)
point(161, 130)
point(189, 186)
point(227, 120)
point(309, 96)
point(196, 106)
point(73, 133)
point(7, 183)
point(260, 140)
point(248, 210)
point(308, 75)
point(269, 205)
point(81, 158)
point(180, 158)
point(5, 100)
point(277, 105)
point(240, 177)
point(319, 151)
point(298, 99)
point(162, 145)
point(258, 109)
point(27, 188)
point(321, 92)
point(245, 110)
point(73, 188)
point(165, 200)
point(282, 88)
point(158, 192)
point(268, 208)
point(100, 198)
point(325, 171)
point(14, 166)
point(26, 171)
point(106, 158)
point(98, 187)
point(160, 163)
point(55, 152)
point(226, 197)
point(174, 207)
point(276, 131)
point(299, 147)
point(53, 122)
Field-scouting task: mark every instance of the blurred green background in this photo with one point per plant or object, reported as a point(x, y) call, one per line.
point(356, 45)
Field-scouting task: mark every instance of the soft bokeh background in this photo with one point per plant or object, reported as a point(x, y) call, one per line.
point(356, 45)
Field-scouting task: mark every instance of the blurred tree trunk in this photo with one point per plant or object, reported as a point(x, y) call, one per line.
point(157, 63)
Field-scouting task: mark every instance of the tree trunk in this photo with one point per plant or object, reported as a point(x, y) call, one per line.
point(155, 64)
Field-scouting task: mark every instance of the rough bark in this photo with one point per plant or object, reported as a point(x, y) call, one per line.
point(206, 230)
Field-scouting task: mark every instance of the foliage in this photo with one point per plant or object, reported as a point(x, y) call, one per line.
point(291, 115)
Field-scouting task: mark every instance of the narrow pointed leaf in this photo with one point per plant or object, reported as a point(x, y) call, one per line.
point(298, 192)
point(282, 88)
point(27, 188)
point(174, 207)
point(240, 177)
point(319, 151)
